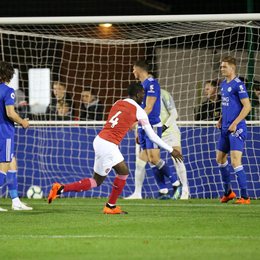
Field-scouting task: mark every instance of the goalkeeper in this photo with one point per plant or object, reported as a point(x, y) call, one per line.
point(172, 136)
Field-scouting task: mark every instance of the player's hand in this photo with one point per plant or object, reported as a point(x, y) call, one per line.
point(232, 128)
point(164, 128)
point(177, 155)
point(25, 123)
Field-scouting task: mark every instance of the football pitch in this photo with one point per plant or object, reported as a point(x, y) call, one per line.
point(77, 229)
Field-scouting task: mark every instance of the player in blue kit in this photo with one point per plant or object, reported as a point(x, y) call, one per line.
point(8, 165)
point(152, 105)
point(235, 107)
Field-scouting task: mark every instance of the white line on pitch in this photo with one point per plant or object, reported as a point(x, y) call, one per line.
point(188, 237)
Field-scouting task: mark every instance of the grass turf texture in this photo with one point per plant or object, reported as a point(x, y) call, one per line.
point(77, 229)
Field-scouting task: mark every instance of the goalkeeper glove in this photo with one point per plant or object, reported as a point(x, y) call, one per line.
point(164, 128)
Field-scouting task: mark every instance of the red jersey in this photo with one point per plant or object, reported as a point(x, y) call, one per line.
point(122, 116)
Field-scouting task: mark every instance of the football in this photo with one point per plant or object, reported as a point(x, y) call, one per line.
point(34, 192)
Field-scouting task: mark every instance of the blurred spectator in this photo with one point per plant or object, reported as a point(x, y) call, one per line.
point(64, 110)
point(256, 101)
point(210, 109)
point(60, 95)
point(21, 105)
point(91, 108)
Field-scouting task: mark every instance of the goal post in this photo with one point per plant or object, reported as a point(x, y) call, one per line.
point(184, 52)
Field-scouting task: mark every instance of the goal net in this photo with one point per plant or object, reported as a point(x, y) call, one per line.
point(184, 55)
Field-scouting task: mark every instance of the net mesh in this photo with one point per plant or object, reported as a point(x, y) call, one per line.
point(183, 55)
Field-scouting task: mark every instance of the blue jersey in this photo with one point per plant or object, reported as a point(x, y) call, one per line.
point(231, 94)
point(152, 89)
point(7, 98)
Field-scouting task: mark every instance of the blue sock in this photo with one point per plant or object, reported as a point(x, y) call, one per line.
point(225, 173)
point(241, 178)
point(11, 180)
point(2, 178)
point(159, 178)
point(165, 171)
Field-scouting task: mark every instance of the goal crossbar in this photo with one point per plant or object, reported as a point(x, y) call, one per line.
point(130, 19)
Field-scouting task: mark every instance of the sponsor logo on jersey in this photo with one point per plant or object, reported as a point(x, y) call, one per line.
point(151, 89)
point(242, 90)
point(225, 101)
point(12, 95)
point(229, 89)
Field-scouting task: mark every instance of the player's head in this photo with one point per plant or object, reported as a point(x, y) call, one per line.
point(140, 68)
point(6, 72)
point(228, 66)
point(136, 92)
point(211, 88)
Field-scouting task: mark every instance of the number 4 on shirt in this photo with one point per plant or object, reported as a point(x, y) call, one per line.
point(114, 119)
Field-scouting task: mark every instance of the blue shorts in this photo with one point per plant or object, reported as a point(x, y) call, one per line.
point(145, 142)
point(232, 141)
point(6, 149)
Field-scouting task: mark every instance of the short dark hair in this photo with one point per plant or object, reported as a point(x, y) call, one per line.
point(134, 88)
point(143, 64)
point(213, 82)
point(6, 71)
point(230, 60)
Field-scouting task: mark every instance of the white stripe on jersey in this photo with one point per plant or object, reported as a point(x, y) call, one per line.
point(8, 150)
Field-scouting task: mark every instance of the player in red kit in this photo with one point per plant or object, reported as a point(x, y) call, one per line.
point(123, 115)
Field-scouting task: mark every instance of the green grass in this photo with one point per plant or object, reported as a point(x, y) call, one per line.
point(77, 229)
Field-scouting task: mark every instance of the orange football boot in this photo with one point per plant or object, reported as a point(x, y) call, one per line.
point(231, 196)
point(243, 201)
point(54, 192)
point(116, 210)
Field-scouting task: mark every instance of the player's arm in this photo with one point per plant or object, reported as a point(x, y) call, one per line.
point(150, 101)
point(171, 109)
point(156, 139)
point(12, 115)
point(242, 115)
point(144, 122)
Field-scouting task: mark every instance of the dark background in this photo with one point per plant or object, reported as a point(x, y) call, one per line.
point(124, 7)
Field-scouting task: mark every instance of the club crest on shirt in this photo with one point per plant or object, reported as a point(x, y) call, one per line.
point(229, 89)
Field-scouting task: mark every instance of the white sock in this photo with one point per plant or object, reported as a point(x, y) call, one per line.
point(139, 176)
point(16, 201)
point(182, 173)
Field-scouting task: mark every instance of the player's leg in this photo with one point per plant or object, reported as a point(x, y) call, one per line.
point(3, 169)
point(102, 166)
point(223, 147)
point(237, 141)
point(122, 173)
point(145, 144)
point(172, 137)
point(140, 163)
point(182, 174)
point(11, 179)
point(160, 170)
